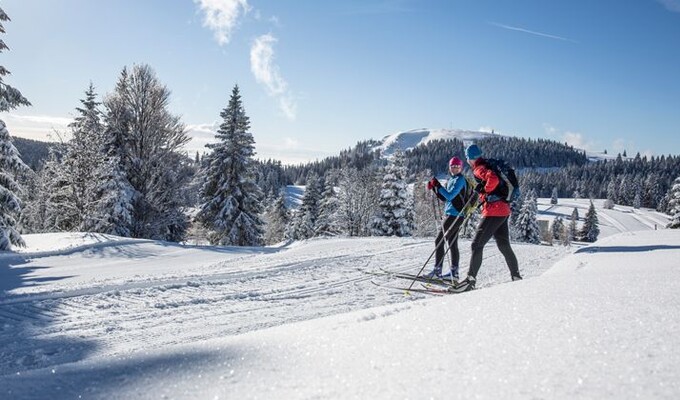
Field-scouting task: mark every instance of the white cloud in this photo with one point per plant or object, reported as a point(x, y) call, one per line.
point(671, 5)
point(574, 139)
point(37, 127)
point(514, 28)
point(221, 16)
point(288, 151)
point(267, 74)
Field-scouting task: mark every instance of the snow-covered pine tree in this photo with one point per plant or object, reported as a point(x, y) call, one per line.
point(73, 177)
point(358, 197)
point(572, 231)
point(149, 140)
point(515, 208)
point(305, 218)
point(557, 227)
point(394, 218)
point(553, 198)
point(591, 228)
point(674, 204)
point(231, 200)
point(276, 218)
point(10, 160)
point(33, 214)
point(327, 223)
point(612, 191)
point(527, 224)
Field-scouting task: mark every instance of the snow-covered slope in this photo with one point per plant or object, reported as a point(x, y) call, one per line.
point(410, 139)
point(88, 316)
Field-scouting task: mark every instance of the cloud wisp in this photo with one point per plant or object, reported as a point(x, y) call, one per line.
point(671, 5)
point(267, 73)
point(517, 29)
point(221, 16)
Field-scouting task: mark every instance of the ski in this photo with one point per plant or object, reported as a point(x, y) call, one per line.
point(432, 291)
point(417, 278)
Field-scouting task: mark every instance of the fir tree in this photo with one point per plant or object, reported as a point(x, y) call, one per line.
point(358, 196)
point(231, 200)
point(305, 219)
point(591, 229)
point(674, 204)
point(10, 161)
point(572, 231)
point(527, 224)
point(637, 200)
point(277, 219)
point(75, 176)
point(327, 223)
point(553, 198)
point(557, 227)
point(395, 217)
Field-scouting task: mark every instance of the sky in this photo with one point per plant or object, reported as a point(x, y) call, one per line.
point(318, 76)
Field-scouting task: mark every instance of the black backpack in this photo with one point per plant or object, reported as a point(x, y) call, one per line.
point(508, 187)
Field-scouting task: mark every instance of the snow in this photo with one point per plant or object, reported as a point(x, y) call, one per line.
point(95, 316)
point(409, 139)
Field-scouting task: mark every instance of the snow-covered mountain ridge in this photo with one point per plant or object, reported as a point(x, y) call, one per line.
point(407, 140)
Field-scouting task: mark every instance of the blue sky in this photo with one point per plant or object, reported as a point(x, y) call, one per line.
point(318, 76)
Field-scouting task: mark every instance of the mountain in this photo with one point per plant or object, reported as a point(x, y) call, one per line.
point(408, 140)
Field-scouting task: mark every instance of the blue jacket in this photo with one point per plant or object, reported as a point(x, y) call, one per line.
point(454, 186)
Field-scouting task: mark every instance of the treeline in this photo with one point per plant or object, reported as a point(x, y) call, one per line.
point(638, 182)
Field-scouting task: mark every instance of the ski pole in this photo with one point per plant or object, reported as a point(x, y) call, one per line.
point(438, 243)
point(441, 229)
point(467, 218)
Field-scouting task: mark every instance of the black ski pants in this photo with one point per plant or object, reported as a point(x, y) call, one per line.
point(496, 227)
point(451, 227)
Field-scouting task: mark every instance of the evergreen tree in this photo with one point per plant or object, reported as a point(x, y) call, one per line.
point(74, 177)
point(637, 200)
point(553, 197)
point(557, 227)
point(527, 224)
point(395, 218)
point(327, 223)
point(231, 200)
point(277, 219)
point(10, 161)
point(147, 140)
point(358, 197)
point(572, 231)
point(674, 204)
point(612, 191)
point(591, 228)
point(305, 218)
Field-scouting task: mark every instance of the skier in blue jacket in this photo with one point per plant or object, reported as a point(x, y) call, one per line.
point(453, 196)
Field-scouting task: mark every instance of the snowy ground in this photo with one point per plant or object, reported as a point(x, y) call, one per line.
point(103, 317)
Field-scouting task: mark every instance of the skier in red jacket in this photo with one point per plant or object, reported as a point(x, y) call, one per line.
point(494, 223)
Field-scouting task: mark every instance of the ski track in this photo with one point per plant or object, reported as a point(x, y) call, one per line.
point(43, 329)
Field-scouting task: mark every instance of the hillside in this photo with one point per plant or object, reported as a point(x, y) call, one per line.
point(105, 317)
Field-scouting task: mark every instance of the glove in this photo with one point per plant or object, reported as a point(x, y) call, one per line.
point(433, 184)
point(479, 188)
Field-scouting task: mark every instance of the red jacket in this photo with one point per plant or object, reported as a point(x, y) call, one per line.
point(497, 208)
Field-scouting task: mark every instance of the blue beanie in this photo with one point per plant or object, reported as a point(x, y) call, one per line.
point(473, 152)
